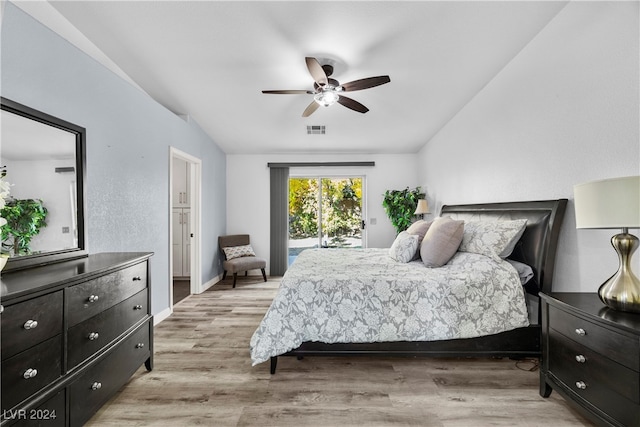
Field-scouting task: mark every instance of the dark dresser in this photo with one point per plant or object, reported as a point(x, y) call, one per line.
point(591, 356)
point(72, 334)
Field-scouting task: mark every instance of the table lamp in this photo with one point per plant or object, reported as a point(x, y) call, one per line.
point(614, 203)
point(422, 208)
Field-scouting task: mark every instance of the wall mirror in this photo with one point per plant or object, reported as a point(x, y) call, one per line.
point(44, 161)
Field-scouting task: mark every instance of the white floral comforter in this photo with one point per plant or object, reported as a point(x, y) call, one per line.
point(363, 295)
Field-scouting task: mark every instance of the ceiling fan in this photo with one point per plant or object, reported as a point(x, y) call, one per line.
point(328, 91)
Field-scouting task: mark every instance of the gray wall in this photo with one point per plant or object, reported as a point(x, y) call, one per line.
point(128, 140)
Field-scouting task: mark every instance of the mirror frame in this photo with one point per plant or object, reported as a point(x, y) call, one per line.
point(29, 261)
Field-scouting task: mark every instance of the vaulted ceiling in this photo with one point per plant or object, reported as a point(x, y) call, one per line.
point(210, 60)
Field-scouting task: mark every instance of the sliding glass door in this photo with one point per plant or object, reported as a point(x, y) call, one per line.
point(325, 213)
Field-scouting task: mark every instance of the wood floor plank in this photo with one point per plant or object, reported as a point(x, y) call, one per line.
point(203, 376)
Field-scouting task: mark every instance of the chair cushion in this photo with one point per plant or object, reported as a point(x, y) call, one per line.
point(243, 264)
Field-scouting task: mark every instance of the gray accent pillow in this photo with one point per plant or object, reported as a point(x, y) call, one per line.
point(495, 239)
point(441, 241)
point(404, 247)
point(525, 272)
point(232, 252)
point(419, 228)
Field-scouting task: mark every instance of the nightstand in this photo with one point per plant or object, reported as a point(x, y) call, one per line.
point(591, 356)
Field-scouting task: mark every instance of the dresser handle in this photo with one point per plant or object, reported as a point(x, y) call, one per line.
point(96, 386)
point(93, 298)
point(137, 278)
point(31, 324)
point(580, 358)
point(140, 345)
point(30, 373)
point(137, 307)
point(581, 332)
point(1, 308)
point(581, 385)
point(93, 336)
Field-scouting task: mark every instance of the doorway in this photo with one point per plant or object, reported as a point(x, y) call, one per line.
point(185, 249)
point(325, 212)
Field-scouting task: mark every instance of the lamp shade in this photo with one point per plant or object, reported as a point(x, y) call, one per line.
point(422, 208)
point(609, 203)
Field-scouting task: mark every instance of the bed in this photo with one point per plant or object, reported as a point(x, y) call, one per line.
point(325, 306)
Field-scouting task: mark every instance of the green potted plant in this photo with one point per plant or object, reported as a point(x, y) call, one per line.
point(24, 219)
point(5, 188)
point(400, 206)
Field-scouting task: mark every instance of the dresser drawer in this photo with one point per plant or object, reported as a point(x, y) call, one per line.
point(43, 362)
point(88, 299)
point(620, 348)
point(95, 333)
point(95, 386)
point(49, 414)
point(30, 322)
point(572, 362)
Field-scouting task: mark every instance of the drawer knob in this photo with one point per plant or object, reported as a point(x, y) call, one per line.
point(137, 278)
point(1, 308)
point(96, 386)
point(30, 373)
point(30, 324)
point(93, 298)
point(93, 336)
point(581, 385)
point(137, 307)
point(580, 358)
point(140, 345)
point(581, 332)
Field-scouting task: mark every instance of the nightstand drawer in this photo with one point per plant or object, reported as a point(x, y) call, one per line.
point(573, 362)
point(90, 298)
point(30, 322)
point(618, 347)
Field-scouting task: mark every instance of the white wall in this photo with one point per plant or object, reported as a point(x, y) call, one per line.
point(563, 112)
point(248, 191)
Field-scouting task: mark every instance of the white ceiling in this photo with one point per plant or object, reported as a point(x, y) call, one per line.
point(211, 59)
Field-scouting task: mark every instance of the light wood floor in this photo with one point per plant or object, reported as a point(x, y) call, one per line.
point(203, 376)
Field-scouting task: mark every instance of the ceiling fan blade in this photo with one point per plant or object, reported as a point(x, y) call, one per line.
point(354, 105)
point(288, 92)
point(316, 71)
point(365, 83)
point(310, 109)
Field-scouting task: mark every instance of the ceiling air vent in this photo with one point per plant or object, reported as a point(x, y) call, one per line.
point(315, 130)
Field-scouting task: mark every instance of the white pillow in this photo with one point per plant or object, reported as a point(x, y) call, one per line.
point(495, 239)
point(404, 247)
point(232, 252)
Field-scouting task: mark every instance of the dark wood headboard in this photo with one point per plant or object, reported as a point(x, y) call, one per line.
point(538, 244)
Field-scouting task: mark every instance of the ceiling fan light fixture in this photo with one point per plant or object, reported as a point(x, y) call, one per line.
point(327, 96)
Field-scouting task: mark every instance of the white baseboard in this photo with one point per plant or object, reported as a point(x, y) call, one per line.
point(210, 283)
point(157, 318)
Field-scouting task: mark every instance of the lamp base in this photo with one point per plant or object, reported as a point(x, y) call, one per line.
point(622, 290)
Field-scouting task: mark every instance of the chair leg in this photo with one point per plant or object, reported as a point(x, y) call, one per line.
point(245, 273)
point(224, 275)
point(264, 275)
point(235, 277)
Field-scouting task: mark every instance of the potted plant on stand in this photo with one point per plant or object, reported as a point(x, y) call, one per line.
point(4, 195)
point(400, 206)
